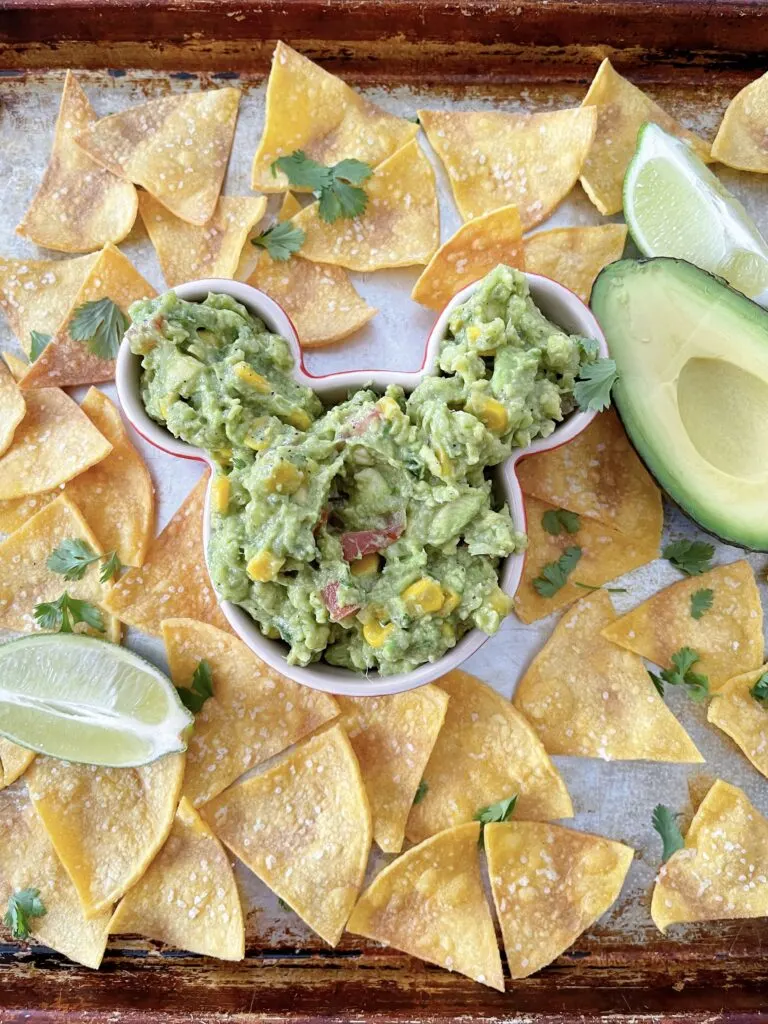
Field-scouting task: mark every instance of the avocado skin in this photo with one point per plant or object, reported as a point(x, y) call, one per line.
point(713, 520)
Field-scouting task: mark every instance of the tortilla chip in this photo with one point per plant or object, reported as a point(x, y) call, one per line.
point(186, 251)
point(486, 751)
point(36, 295)
point(622, 109)
point(254, 713)
point(598, 475)
point(188, 896)
point(65, 362)
point(14, 761)
point(12, 408)
point(586, 697)
point(605, 555)
point(393, 738)
point(495, 159)
point(28, 860)
point(173, 581)
point(400, 227)
point(289, 207)
point(741, 139)
point(575, 256)
point(740, 716)
point(728, 638)
point(177, 148)
point(430, 903)
point(720, 874)
point(549, 885)
point(477, 247)
point(304, 827)
point(80, 205)
point(310, 109)
point(17, 366)
point(106, 824)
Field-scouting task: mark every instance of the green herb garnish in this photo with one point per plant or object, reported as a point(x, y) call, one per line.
point(502, 810)
point(112, 566)
point(681, 674)
point(337, 187)
point(38, 341)
point(693, 557)
point(760, 690)
point(72, 557)
point(63, 615)
point(193, 697)
point(557, 520)
point(22, 906)
point(592, 390)
point(281, 241)
point(665, 823)
point(421, 792)
point(101, 325)
point(554, 575)
point(595, 586)
point(701, 602)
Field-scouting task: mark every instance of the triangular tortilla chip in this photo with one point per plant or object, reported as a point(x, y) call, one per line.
point(598, 475)
point(12, 408)
point(586, 697)
point(430, 903)
point(188, 896)
point(477, 247)
point(16, 365)
point(80, 205)
point(28, 860)
point(36, 295)
point(173, 582)
point(289, 207)
point(304, 827)
point(14, 761)
point(721, 872)
point(106, 824)
point(393, 738)
point(177, 148)
point(622, 109)
point(740, 716)
point(606, 554)
point(728, 638)
point(187, 251)
point(26, 580)
point(575, 256)
point(254, 712)
point(310, 109)
point(486, 751)
point(401, 225)
point(495, 159)
point(65, 362)
point(741, 138)
point(549, 885)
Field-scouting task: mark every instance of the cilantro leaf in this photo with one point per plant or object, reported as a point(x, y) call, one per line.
point(111, 567)
point(693, 557)
point(665, 823)
point(701, 602)
point(71, 558)
point(337, 187)
point(421, 792)
point(590, 347)
point(554, 575)
point(658, 682)
point(23, 905)
point(502, 810)
point(596, 586)
point(555, 520)
point(63, 615)
point(760, 690)
point(193, 697)
point(284, 906)
point(281, 241)
point(101, 325)
point(301, 170)
point(38, 343)
point(680, 674)
point(592, 391)
point(353, 171)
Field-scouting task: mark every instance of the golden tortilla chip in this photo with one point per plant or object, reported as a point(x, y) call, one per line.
point(605, 555)
point(188, 897)
point(187, 251)
point(495, 159)
point(721, 873)
point(26, 580)
point(622, 109)
point(304, 827)
point(12, 408)
point(477, 247)
point(17, 366)
point(14, 761)
point(28, 860)
point(173, 581)
point(549, 885)
point(598, 475)
point(586, 697)
point(312, 110)
point(65, 362)
point(177, 148)
point(430, 903)
point(254, 712)
point(401, 225)
point(289, 207)
point(575, 256)
point(106, 824)
point(393, 738)
point(728, 638)
point(80, 205)
point(740, 716)
point(741, 139)
point(486, 752)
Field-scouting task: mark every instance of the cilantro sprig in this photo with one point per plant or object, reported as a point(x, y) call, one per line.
point(554, 575)
point(759, 691)
point(281, 241)
point(38, 341)
point(681, 673)
point(559, 520)
point(64, 614)
point(701, 602)
point(693, 557)
point(193, 697)
point(502, 810)
point(665, 823)
point(73, 556)
point(592, 390)
point(23, 905)
point(337, 187)
point(421, 792)
point(101, 324)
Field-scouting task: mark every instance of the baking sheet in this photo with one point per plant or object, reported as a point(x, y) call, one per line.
point(613, 799)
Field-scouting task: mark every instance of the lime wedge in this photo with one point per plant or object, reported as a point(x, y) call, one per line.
point(82, 699)
point(675, 206)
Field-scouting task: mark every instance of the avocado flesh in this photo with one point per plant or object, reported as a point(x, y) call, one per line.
point(692, 356)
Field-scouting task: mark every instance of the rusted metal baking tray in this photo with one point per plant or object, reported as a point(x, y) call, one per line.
point(517, 53)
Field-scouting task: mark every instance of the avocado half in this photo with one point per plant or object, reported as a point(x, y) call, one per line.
point(692, 356)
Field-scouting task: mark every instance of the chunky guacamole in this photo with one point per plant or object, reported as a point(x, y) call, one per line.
point(367, 534)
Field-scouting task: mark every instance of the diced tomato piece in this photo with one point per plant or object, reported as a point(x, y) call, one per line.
point(361, 424)
point(337, 612)
point(365, 542)
point(322, 520)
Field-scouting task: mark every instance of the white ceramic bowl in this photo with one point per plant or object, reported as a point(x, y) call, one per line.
point(557, 303)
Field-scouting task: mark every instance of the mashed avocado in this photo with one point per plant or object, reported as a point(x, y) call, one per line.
point(367, 534)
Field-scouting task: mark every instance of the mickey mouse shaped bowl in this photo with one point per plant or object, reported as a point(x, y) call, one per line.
point(558, 304)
